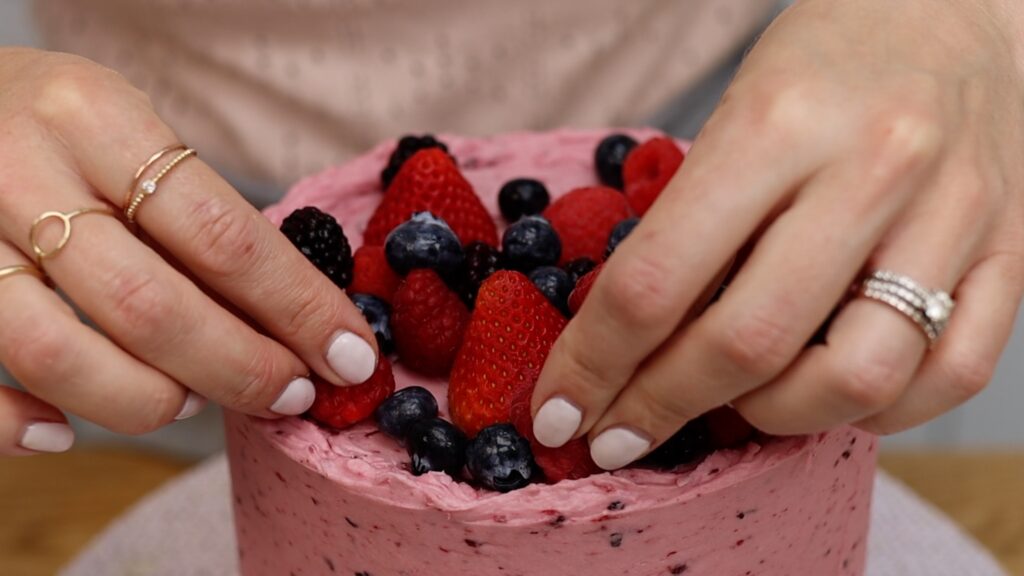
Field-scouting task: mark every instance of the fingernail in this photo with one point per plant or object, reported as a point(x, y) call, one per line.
point(557, 422)
point(296, 398)
point(617, 447)
point(351, 358)
point(47, 437)
point(194, 404)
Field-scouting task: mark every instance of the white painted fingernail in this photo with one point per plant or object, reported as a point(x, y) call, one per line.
point(617, 447)
point(296, 398)
point(47, 437)
point(194, 404)
point(351, 358)
point(557, 422)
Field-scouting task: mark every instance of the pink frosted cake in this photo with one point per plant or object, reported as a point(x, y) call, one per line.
point(313, 501)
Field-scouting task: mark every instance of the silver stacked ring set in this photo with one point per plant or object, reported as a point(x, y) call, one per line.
point(929, 309)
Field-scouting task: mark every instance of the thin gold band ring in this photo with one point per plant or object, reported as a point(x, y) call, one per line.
point(142, 189)
point(8, 271)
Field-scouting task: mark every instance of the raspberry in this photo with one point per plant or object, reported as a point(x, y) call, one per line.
point(322, 241)
point(579, 294)
point(427, 321)
point(648, 169)
point(342, 406)
point(584, 218)
point(372, 275)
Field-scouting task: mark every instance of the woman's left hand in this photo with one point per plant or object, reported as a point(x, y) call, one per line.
point(857, 135)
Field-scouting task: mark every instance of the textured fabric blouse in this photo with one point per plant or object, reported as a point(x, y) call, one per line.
point(272, 90)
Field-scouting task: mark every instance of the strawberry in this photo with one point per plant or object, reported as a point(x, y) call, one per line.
point(579, 293)
point(342, 406)
point(727, 428)
point(572, 461)
point(648, 169)
point(430, 182)
point(372, 275)
point(584, 218)
point(510, 334)
point(428, 321)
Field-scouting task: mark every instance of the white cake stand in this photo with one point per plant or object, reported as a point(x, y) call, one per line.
point(186, 529)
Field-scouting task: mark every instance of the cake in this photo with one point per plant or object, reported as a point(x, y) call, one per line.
point(309, 500)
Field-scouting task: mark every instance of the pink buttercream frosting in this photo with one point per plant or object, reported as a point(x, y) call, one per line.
point(312, 501)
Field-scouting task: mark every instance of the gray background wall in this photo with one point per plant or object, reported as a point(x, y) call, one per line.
point(992, 419)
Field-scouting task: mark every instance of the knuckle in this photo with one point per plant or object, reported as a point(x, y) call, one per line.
point(969, 373)
point(638, 293)
point(775, 106)
point(908, 136)
point(141, 302)
point(76, 90)
point(759, 344)
point(306, 314)
point(226, 240)
point(868, 383)
point(252, 392)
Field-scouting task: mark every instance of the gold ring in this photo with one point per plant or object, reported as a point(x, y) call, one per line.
point(65, 219)
point(8, 271)
point(142, 189)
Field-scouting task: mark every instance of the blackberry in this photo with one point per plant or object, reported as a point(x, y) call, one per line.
point(500, 459)
point(610, 155)
point(522, 197)
point(578, 268)
point(529, 243)
point(691, 443)
point(405, 149)
point(480, 262)
point(619, 233)
point(322, 241)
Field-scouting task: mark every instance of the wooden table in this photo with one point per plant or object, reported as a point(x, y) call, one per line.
point(51, 506)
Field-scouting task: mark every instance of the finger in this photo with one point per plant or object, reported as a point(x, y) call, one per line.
point(962, 364)
point(656, 275)
point(147, 307)
point(222, 239)
point(800, 268)
point(30, 426)
point(64, 363)
point(872, 350)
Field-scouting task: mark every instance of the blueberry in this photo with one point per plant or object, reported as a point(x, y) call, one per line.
point(500, 459)
point(522, 197)
point(554, 284)
point(690, 443)
point(436, 445)
point(424, 241)
point(481, 260)
point(529, 243)
point(378, 315)
point(401, 410)
point(619, 233)
point(579, 268)
point(610, 155)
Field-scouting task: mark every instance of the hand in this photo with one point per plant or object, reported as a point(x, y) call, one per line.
point(857, 135)
point(217, 304)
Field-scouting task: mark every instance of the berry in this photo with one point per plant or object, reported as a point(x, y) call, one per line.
point(322, 241)
point(424, 241)
point(508, 339)
point(554, 284)
point(570, 461)
point(619, 233)
point(428, 321)
point(529, 243)
point(648, 170)
point(371, 274)
point(480, 262)
point(584, 218)
point(500, 459)
point(435, 445)
point(378, 316)
point(610, 155)
point(404, 150)
point(578, 268)
point(430, 182)
point(522, 197)
point(579, 294)
point(727, 428)
point(342, 406)
point(689, 444)
point(401, 410)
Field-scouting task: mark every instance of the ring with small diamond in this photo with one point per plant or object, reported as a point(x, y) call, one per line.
point(142, 189)
point(929, 309)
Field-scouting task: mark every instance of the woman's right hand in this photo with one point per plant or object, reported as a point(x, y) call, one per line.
point(215, 304)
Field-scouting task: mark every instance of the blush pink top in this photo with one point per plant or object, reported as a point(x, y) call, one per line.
point(272, 90)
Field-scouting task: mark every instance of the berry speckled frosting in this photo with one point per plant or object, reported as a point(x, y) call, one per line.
point(309, 500)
